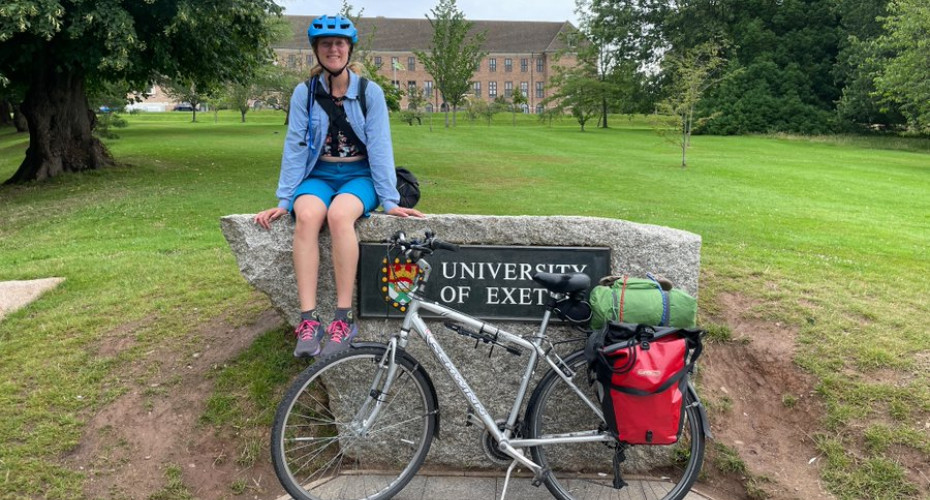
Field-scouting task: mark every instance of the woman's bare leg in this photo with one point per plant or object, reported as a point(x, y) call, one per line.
point(311, 214)
point(343, 212)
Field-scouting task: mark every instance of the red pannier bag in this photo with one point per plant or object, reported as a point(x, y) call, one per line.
point(643, 373)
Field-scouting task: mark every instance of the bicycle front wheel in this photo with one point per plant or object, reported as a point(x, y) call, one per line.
point(586, 470)
point(325, 443)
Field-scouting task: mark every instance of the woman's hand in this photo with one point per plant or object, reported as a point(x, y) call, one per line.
point(266, 217)
point(405, 212)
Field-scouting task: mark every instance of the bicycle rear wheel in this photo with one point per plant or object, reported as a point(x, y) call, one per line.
point(585, 470)
point(318, 445)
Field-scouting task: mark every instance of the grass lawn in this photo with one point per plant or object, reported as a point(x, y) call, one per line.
point(828, 235)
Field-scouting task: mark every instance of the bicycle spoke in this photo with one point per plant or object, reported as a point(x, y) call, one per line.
point(322, 450)
point(581, 470)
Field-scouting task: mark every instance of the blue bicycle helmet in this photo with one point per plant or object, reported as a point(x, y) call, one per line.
point(339, 26)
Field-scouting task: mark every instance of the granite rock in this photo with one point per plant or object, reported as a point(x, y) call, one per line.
point(264, 259)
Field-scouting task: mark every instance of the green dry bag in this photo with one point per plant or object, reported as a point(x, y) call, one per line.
point(644, 301)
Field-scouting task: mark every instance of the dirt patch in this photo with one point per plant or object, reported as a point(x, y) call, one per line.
point(129, 444)
point(762, 405)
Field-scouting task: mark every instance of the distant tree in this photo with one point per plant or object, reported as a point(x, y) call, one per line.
point(517, 101)
point(56, 50)
point(416, 100)
point(108, 100)
point(362, 53)
point(6, 112)
point(268, 85)
point(453, 55)
point(576, 90)
point(186, 91)
point(781, 54)
point(550, 114)
point(859, 60)
point(12, 98)
point(619, 41)
point(280, 86)
point(694, 72)
point(238, 96)
point(265, 83)
point(903, 77)
point(479, 108)
point(19, 118)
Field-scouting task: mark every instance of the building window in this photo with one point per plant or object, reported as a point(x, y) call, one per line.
point(492, 89)
point(429, 107)
point(508, 65)
point(539, 90)
point(492, 64)
point(428, 89)
point(508, 89)
point(394, 62)
point(539, 109)
point(378, 61)
point(291, 60)
point(525, 88)
point(477, 87)
point(539, 65)
point(309, 59)
point(395, 83)
point(411, 87)
point(411, 64)
point(524, 65)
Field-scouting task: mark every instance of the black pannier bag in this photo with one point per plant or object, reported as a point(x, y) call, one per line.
point(642, 372)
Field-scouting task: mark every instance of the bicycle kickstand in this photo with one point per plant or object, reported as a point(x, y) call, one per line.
point(510, 469)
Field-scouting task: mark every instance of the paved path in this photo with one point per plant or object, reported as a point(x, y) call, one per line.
point(480, 486)
point(17, 294)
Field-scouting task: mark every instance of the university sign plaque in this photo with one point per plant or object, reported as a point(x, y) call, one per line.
point(489, 282)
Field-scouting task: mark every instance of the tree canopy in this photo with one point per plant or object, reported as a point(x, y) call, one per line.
point(454, 55)
point(54, 50)
point(802, 66)
point(904, 78)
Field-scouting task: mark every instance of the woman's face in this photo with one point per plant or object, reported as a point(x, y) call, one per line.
point(333, 52)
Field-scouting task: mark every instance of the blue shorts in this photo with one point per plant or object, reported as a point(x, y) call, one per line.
point(330, 179)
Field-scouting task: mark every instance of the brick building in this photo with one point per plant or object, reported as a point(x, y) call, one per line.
point(521, 54)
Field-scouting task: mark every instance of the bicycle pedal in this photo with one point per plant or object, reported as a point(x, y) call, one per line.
point(538, 479)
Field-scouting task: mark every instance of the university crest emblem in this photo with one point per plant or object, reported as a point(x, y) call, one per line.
point(399, 280)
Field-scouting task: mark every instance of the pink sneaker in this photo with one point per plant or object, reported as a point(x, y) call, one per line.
point(309, 335)
point(340, 333)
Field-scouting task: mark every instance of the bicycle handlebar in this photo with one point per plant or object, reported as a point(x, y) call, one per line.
point(429, 244)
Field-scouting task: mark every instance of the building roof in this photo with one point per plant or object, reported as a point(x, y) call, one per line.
point(405, 35)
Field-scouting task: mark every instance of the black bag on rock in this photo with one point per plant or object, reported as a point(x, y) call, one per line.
point(408, 186)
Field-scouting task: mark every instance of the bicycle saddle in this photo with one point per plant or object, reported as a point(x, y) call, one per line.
point(563, 283)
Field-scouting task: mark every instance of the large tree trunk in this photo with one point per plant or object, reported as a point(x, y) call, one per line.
point(60, 128)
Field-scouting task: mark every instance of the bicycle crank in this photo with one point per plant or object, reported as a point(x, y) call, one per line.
point(490, 447)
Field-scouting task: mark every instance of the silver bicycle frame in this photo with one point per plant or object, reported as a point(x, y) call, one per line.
point(413, 321)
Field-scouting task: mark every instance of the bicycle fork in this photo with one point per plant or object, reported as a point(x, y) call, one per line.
point(380, 386)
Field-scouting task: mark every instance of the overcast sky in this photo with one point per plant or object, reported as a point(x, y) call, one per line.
point(510, 10)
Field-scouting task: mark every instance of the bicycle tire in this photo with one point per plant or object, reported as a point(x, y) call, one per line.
point(585, 470)
point(314, 449)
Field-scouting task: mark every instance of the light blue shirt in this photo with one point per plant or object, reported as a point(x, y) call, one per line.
point(302, 146)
